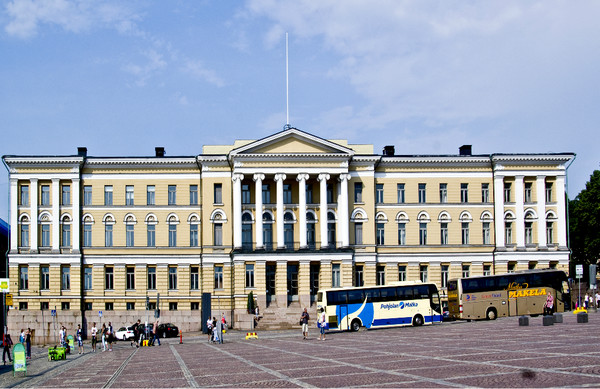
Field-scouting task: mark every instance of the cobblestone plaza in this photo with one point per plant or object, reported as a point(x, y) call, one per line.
point(496, 353)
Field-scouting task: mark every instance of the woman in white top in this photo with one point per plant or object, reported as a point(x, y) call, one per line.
point(321, 322)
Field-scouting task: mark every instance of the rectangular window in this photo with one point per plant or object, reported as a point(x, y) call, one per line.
point(309, 194)
point(218, 234)
point(218, 277)
point(358, 233)
point(88, 306)
point(486, 233)
point(108, 195)
point(465, 233)
point(528, 189)
point(172, 235)
point(130, 306)
point(510, 267)
point(87, 195)
point(549, 232)
point(151, 278)
point(109, 278)
point(287, 194)
point(249, 275)
point(108, 235)
point(151, 235)
point(108, 306)
point(401, 234)
point(130, 278)
point(464, 193)
point(66, 195)
point(548, 192)
point(335, 275)
point(44, 305)
point(422, 194)
point(507, 187)
point(466, 271)
point(485, 193)
point(24, 195)
point(129, 235)
point(45, 235)
point(45, 195)
point(218, 193)
point(172, 278)
point(531, 265)
point(193, 235)
point(172, 195)
point(443, 193)
point(444, 233)
point(129, 198)
point(380, 273)
point(508, 232)
point(87, 278)
point(65, 306)
point(194, 278)
point(380, 236)
point(246, 194)
point(87, 235)
point(24, 235)
point(400, 193)
point(22, 306)
point(358, 192)
point(528, 233)
point(266, 194)
point(401, 272)
point(422, 234)
point(487, 270)
point(423, 273)
point(445, 273)
point(379, 193)
point(359, 275)
point(194, 306)
point(66, 235)
point(45, 277)
point(193, 194)
point(150, 195)
point(23, 278)
point(172, 306)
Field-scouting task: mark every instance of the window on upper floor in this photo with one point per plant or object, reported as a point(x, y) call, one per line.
point(218, 193)
point(465, 232)
point(108, 195)
point(24, 196)
point(218, 284)
point(443, 193)
point(194, 278)
point(65, 278)
point(464, 193)
point(445, 273)
point(193, 194)
point(485, 193)
point(400, 193)
point(44, 277)
point(379, 193)
point(309, 194)
point(422, 193)
point(172, 278)
point(130, 278)
point(45, 195)
point(129, 199)
point(287, 194)
point(246, 194)
point(358, 187)
point(443, 233)
point(330, 193)
point(66, 195)
point(548, 192)
point(87, 195)
point(528, 189)
point(172, 194)
point(266, 194)
point(150, 195)
point(401, 272)
point(507, 188)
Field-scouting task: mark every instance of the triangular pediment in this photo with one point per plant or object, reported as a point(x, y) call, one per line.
point(292, 141)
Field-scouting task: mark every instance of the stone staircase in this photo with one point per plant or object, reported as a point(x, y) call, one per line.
point(277, 318)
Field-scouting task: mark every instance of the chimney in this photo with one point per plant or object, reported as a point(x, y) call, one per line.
point(389, 151)
point(82, 151)
point(160, 151)
point(464, 150)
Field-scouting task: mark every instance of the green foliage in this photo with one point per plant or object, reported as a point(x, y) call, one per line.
point(251, 303)
point(584, 223)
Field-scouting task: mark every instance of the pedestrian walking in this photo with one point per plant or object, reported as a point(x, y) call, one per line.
point(7, 343)
point(304, 322)
point(109, 335)
point(103, 334)
point(156, 337)
point(586, 301)
point(22, 336)
point(61, 336)
point(79, 337)
point(136, 334)
point(597, 299)
point(94, 333)
point(321, 322)
point(28, 342)
point(549, 305)
point(209, 328)
point(219, 332)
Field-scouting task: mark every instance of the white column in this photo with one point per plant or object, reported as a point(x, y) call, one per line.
point(33, 201)
point(323, 209)
point(237, 209)
point(344, 219)
point(541, 211)
point(561, 212)
point(55, 214)
point(520, 210)
point(14, 215)
point(301, 178)
point(258, 179)
point(279, 178)
point(499, 210)
point(76, 223)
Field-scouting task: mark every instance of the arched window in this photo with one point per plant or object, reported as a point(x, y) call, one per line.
point(268, 231)
point(24, 230)
point(310, 229)
point(331, 235)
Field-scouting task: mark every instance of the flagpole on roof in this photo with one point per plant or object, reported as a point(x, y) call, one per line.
point(287, 87)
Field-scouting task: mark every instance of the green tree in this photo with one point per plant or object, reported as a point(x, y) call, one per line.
point(584, 224)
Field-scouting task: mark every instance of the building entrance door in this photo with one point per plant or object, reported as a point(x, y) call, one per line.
point(270, 282)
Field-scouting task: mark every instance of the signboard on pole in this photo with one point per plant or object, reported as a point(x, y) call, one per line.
point(53, 312)
point(100, 314)
point(579, 271)
point(4, 285)
point(9, 299)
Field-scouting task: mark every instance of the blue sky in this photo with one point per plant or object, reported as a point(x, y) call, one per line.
point(426, 76)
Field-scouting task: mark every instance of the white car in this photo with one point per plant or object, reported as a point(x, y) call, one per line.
point(124, 333)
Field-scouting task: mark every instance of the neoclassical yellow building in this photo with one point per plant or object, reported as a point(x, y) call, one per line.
point(279, 217)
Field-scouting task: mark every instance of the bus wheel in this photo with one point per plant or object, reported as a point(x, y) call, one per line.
point(418, 321)
point(355, 325)
point(491, 314)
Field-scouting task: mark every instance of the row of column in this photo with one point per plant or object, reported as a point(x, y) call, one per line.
point(34, 214)
point(279, 178)
point(520, 210)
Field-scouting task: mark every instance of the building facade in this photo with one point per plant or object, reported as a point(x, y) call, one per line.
point(279, 217)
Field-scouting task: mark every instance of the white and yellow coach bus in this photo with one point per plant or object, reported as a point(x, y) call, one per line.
point(397, 304)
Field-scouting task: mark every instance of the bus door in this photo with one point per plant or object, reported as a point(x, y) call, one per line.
point(343, 316)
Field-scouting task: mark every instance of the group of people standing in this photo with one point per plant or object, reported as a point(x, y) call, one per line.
point(106, 334)
point(216, 329)
point(321, 323)
point(141, 333)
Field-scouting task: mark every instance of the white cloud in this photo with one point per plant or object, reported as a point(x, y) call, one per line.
point(197, 69)
point(154, 62)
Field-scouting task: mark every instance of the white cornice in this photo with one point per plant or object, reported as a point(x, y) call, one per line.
point(142, 161)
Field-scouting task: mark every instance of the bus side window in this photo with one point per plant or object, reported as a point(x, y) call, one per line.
point(336, 298)
point(388, 294)
point(356, 296)
point(421, 292)
point(405, 293)
point(372, 295)
point(503, 282)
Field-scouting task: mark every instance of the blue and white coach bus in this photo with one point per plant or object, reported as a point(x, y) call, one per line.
point(397, 304)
